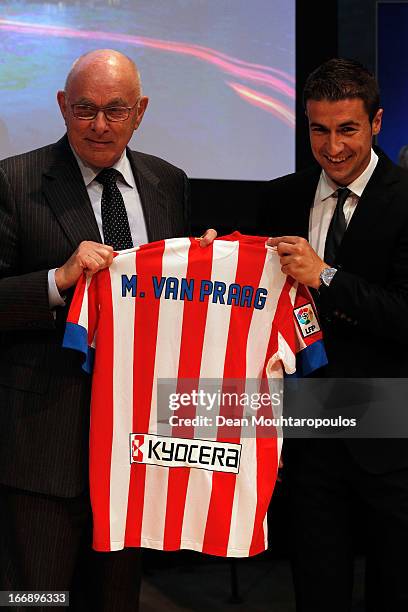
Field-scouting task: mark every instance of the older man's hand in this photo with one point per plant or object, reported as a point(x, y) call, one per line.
point(89, 256)
point(207, 238)
point(298, 259)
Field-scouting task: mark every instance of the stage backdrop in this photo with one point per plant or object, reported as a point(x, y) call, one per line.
point(219, 74)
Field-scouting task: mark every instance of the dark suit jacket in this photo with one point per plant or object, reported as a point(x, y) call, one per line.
point(364, 312)
point(45, 213)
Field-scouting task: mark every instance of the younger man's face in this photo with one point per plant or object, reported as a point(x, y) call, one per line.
point(341, 137)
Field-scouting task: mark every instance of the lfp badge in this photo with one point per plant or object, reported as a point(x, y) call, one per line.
point(307, 320)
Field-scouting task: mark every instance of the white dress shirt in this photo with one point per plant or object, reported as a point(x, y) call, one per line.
point(325, 202)
point(127, 186)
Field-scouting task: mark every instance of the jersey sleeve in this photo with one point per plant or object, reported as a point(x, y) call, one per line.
point(310, 351)
point(296, 339)
point(82, 321)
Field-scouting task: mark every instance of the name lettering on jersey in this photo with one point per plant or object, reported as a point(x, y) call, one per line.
point(172, 288)
point(307, 320)
point(182, 452)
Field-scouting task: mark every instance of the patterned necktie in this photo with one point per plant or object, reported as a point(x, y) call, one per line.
point(337, 227)
point(115, 223)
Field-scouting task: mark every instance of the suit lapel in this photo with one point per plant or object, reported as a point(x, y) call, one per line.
point(371, 209)
point(153, 199)
point(65, 191)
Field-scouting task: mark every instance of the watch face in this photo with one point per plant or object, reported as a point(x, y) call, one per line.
point(327, 275)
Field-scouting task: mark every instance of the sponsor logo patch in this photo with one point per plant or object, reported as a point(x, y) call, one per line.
point(307, 320)
point(182, 452)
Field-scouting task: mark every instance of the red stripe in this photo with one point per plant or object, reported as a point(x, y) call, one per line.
point(194, 318)
point(266, 471)
point(93, 309)
point(148, 264)
point(282, 323)
point(249, 270)
point(76, 304)
point(267, 468)
point(100, 446)
point(267, 447)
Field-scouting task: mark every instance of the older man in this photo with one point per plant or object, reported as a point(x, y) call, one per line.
point(64, 208)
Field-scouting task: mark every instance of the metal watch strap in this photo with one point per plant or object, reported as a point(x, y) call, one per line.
point(327, 275)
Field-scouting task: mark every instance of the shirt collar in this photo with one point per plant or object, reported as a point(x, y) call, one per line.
point(329, 187)
point(122, 165)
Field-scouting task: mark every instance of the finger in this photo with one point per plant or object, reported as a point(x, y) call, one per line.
point(102, 253)
point(102, 259)
point(87, 245)
point(107, 258)
point(93, 261)
point(275, 240)
point(208, 237)
point(285, 248)
point(289, 267)
point(105, 250)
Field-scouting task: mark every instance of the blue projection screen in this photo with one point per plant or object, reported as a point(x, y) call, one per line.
point(219, 75)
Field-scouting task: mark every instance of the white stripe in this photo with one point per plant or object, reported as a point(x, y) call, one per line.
point(292, 292)
point(261, 323)
point(284, 355)
point(175, 261)
point(224, 266)
point(123, 339)
point(83, 315)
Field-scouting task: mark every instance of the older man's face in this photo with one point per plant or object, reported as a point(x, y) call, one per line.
point(100, 142)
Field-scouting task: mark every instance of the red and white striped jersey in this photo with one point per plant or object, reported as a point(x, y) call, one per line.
point(171, 310)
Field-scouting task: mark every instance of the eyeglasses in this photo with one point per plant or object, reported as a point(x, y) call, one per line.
point(112, 113)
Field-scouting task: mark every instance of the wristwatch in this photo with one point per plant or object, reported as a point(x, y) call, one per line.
point(326, 276)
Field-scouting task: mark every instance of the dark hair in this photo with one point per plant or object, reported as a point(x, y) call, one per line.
point(340, 79)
